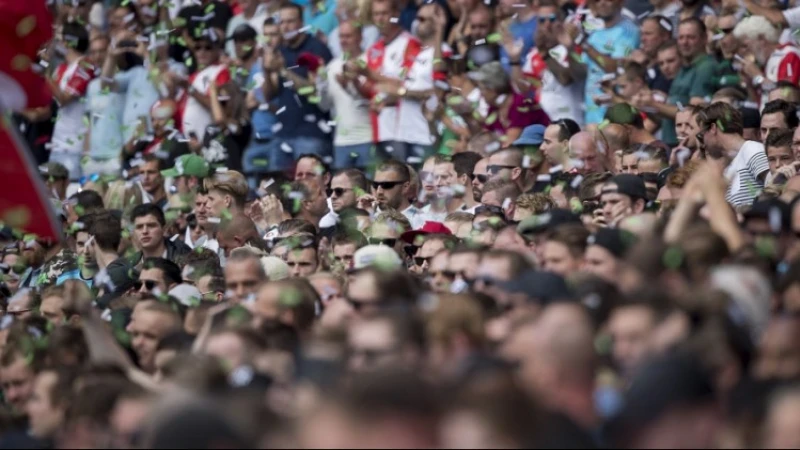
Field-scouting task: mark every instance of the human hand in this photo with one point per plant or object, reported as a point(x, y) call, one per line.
point(512, 46)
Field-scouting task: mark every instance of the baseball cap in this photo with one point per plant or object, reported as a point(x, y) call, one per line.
point(614, 240)
point(243, 32)
point(778, 213)
point(188, 165)
point(542, 286)
point(428, 228)
point(541, 223)
point(54, 169)
point(187, 294)
point(531, 135)
point(380, 256)
point(626, 184)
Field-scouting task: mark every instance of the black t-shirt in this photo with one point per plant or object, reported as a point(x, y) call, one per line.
point(216, 16)
point(223, 146)
point(167, 149)
point(656, 80)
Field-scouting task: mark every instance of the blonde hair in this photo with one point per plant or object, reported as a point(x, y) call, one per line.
point(538, 202)
point(231, 182)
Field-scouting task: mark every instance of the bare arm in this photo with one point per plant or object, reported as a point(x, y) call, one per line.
point(774, 15)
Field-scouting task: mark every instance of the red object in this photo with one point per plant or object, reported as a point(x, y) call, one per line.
point(310, 61)
point(25, 26)
point(428, 228)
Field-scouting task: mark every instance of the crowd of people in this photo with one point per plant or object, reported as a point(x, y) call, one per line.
point(415, 224)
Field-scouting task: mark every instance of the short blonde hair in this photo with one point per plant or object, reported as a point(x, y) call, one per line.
point(231, 182)
point(392, 216)
point(538, 202)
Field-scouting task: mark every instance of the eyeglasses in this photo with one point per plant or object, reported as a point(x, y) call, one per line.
point(389, 242)
point(420, 261)
point(338, 191)
point(148, 284)
point(494, 169)
point(482, 178)
point(386, 185)
point(551, 18)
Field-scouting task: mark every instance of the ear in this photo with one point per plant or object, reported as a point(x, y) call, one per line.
point(516, 173)
point(639, 205)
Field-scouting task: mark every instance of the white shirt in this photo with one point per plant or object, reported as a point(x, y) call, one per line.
point(70, 127)
point(792, 16)
point(412, 119)
point(353, 123)
point(557, 100)
point(195, 116)
point(742, 174)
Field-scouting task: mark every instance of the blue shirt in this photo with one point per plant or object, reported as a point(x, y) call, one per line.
point(104, 108)
point(299, 116)
point(324, 20)
point(141, 94)
point(521, 31)
point(262, 118)
point(616, 42)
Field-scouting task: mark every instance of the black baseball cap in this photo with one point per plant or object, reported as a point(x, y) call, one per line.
point(243, 32)
point(614, 240)
point(542, 287)
point(626, 184)
point(778, 213)
point(547, 221)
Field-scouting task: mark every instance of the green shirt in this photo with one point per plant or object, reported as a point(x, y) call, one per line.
point(695, 80)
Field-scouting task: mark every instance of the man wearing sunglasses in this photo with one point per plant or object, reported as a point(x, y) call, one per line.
point(390, 188)
point(346, 188)
point(157, 277)
point(480, 175)
point(386, 229)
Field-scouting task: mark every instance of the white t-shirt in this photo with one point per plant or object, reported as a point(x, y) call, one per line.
point(412, 124)
point(195, 116)
point(557, 100)
point(70, 127)
point(353, 124)
point(792, 16)
point(742, 174)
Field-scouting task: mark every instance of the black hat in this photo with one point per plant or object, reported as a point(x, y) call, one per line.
point(778, 213)
point(543, 287)
point(614, 240)
point(243, 32)
point(626, 184)
point(547, 221)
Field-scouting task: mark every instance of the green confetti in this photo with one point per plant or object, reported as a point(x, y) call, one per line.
point(306, 90)
point(673, 258)
point(494, 38)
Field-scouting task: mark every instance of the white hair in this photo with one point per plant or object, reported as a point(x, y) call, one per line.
point(750, 292)
point(753, 27)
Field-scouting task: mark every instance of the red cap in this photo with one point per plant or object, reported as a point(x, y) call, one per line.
point(428, 228)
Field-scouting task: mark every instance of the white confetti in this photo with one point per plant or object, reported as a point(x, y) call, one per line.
point(286, 148)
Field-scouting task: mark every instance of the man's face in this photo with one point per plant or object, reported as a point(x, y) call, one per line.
point(151, 177)
point(551, 145)
point(630, 328)
point(206, 52)
point(19, 306)
point(481, 177)
point(490, 271)
point(385, 233)
point(444, 175)
point(607, 9)
point(652, 36)
point(796, 144)
point(17, 381)
point(480, 24)
point(613, 202)
point(57, 186)
point(600, 262)
point(228, 347)
point(84, 247)
point(272, 36)
point(153, 282)
point(558, 259)
point(686, 128)
point(669, 62)
point(392, 191)
point(439, 277)
point(302, 262)
point(422, 260)
point(242, 279)
point(244, 49)
point(217, 202)
point(425, 25)
point(290, 21)
point(464, 266)
point(779, 157)
point(729, 45)
point(45, 418)
point(146, 329)
point(311, 172)
point(342, 193)
point(588, 158)
point(98, 49)
point(363, 295)
point(343, 256)
point(501, 166)
point(628, 87)
point(771, 122)
point(372, 345)
point(350, 38)
point(630, 164)
point(148, 232)
point(52, 309)
point(382, 15)
point(691, 42)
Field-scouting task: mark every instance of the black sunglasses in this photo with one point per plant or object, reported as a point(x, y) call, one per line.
point(149, 284)
point(338, 191)
point(386, 185)
point(491, 209)
point(389, 242)
point(551, 18)
point(482, 178)
point(419, 260)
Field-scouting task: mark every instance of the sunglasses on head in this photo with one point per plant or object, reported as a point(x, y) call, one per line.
point(386, 185)
point(389, 242)
point(149, 284)
point(490, 209)
point(338, 191)
point(496, 168)
point(551, 18)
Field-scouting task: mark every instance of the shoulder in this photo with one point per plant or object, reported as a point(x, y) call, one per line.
point(752, 149)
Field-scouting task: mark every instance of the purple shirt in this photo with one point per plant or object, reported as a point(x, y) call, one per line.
point(523, 112)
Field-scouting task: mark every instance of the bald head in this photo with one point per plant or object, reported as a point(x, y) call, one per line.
point(565, 337)
point(586, 155)
point(616, 136)
point(237, 232)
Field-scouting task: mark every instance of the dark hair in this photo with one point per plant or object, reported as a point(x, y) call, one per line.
point(295, 226)
point(148, 209)
point(180, 341)
point(86, 202)
point(660, 20)
point(516, 261)
point(698, 23)
point(566, 128)
point(779, 138)
point(297, 8)
point(316, 158)
point(789, 111)
point(154, 157)
point(634, 70)
point(171, 271)
point(107, 231)
point(395, 166)
point(727, 118)
point(356, 177)
point(667, 45)
point(76, 37)
point(464, 163)
point(269, 21)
